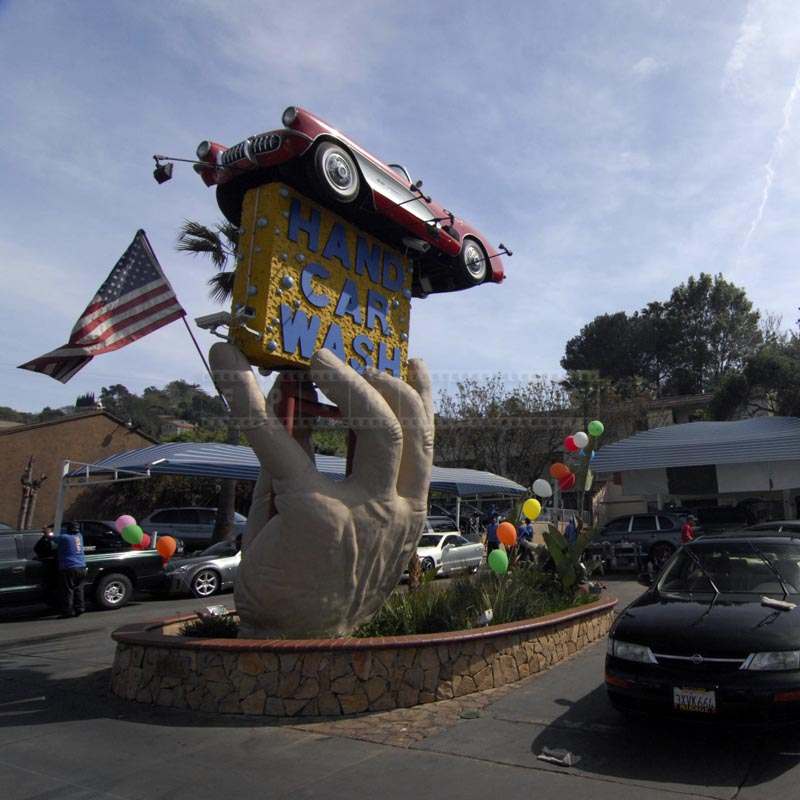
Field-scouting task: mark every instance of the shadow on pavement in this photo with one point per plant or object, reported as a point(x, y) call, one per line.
point(666, 751)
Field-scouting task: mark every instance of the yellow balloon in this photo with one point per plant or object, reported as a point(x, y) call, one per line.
point(531, 508)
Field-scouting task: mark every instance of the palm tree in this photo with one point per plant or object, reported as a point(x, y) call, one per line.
point(220, 244)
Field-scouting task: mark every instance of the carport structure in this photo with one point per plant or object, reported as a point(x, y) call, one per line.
point(213, 460)
point(729, 461)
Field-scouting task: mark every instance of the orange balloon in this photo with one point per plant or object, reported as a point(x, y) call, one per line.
point(166, 546)
point(507, 534)
point(559, 470)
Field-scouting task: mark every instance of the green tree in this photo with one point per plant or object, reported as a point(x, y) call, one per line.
point(220, 244)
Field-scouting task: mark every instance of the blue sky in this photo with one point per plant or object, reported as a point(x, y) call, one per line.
point(616, 147)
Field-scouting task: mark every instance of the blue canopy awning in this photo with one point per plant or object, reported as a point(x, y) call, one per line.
point(213, 460)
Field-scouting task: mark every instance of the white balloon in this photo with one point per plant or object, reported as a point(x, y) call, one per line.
point(542, 488)
point(580, 439)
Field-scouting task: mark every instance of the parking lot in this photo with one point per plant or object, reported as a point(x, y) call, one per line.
point(63, 736)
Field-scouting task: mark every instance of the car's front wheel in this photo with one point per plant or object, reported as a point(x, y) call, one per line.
point(337, 172)
point(473, 263)
point(113, 591)
point(205, 583)
point(428, 565)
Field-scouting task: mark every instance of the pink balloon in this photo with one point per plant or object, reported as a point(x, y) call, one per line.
point(123, 522)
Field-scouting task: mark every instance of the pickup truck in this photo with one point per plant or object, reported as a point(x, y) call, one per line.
point(112, 574)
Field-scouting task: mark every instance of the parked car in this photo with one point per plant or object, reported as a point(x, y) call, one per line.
point(446, 553)
point(657, 535)
point(318, 160)
point(778, 526)
point(113, 573)
point(717, 634)
point(717, 519)
point(212, 571)
point(195, 526)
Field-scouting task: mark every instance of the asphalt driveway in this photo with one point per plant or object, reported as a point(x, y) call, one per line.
point(63, 736)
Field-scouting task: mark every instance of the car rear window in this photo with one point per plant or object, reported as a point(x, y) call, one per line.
point(665, 523)
point(643, 524)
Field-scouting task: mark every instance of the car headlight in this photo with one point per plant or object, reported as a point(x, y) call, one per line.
point(630, 652)
point(773, 662)
point(203, 149)
point(289, 116)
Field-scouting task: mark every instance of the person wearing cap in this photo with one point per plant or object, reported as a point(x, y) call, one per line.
point(687, 530)
point(71, 570)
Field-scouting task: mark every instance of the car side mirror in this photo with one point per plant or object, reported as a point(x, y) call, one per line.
point(646, 579)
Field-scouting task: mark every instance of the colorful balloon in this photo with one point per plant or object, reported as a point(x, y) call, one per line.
point(507, 534)
point(123, 522)
point(559, 470)
point(570, 446)
point(566, 483)
point(166, 546)
point(132, 534)
point(580, 439)
point(596, 428)
point(542, 488)
point(531, 508)
point(498, 561)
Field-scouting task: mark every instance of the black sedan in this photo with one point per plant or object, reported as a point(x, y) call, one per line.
point(716, 635)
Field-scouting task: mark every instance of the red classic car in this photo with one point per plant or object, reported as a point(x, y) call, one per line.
point(307, 153)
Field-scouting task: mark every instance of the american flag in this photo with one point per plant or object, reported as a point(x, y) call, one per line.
point(134, 300)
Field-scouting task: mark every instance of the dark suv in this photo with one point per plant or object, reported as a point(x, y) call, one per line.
point(658, 535)
point(113, 573)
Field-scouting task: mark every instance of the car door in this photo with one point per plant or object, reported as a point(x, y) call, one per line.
point(470, 553)
point(616, 530)
point(452, 555)
point(643, 531)
point(18, 583)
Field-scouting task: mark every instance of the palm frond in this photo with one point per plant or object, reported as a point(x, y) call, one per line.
point(221, 286)
point(195, 238)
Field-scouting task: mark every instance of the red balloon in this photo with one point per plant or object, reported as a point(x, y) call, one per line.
point(570, 446)
point(144, 544)
point(567, 482)
point(166, 545)
point(559, 471)
point(507, 534)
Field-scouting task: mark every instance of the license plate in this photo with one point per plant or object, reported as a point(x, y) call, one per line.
point(699, 701)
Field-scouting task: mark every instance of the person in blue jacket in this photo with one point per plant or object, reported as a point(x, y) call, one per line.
point(71, 570)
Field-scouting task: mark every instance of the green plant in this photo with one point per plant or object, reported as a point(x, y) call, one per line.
point(433, 609)
point(221, 627)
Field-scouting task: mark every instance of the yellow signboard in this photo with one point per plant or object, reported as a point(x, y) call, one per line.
point(307, 279)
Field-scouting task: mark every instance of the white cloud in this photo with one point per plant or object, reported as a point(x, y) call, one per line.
point(647, 67)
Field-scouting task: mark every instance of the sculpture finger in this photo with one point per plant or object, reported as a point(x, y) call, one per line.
point(279, 454)
point(419, 378)
point(409, 408)
point(303, 388)
point(379, 437)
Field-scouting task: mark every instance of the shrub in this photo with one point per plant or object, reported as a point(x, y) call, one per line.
point(221, 627)
point(520, 594)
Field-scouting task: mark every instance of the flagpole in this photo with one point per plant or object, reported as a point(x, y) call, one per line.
point(205, 363)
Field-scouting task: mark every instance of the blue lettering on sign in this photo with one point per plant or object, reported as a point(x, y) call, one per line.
point(334, 342)
point(368, 260)
point(394, 275)
point(384, 362)
point(298, 329)
point(309, 272)
point(336, 246)
point(363, 347)
point(348, 302)
point(377, 308)
point(299, 223)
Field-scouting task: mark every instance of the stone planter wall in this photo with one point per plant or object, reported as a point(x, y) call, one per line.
point(341, 676)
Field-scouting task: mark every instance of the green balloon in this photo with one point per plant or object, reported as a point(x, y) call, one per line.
point(132, 534)
point(498, 561)
point(596, 428)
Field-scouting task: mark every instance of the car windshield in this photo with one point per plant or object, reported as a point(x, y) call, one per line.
point(734, 568)
point(442, 525)
point(220, 549)
point(429, 540)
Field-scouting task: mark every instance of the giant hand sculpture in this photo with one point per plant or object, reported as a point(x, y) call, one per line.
point(334, 550)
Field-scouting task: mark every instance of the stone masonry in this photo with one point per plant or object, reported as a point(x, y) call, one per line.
point(299, 679)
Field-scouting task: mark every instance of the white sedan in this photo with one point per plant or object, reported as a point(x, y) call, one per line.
point(448, 553)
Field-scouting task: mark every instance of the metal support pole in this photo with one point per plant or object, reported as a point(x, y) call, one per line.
point(59, 515)
point(458, 512)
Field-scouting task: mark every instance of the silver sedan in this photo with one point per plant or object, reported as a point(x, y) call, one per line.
point(212, 571)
